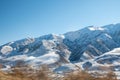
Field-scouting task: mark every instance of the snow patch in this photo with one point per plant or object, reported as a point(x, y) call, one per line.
point(17, 57)
point(30, 58)
point(116, 50)
point(6, 49)
point(49, 58)
point(108, 36)
point(11, 43)
point(62, 36)
point(95, 28)
point(26, 50)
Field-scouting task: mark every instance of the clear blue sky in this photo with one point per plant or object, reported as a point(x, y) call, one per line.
point(23, 18)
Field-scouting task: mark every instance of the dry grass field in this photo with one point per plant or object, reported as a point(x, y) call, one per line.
point(25, 73)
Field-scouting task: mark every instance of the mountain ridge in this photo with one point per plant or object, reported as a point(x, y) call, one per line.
point(86, 46)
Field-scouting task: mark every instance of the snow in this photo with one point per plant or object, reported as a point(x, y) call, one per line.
point(108, 36)
point(31, 58)
point(48, 58)
point(62, 36)
point(115, 51)
point(6, 49)
point(26, 50)
point(95, 28)
point(48, 44)
point(11, 43)
point(17, 57)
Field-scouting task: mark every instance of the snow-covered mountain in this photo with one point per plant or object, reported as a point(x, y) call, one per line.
point(48, 49)
point(92, 41)
point(89, 47)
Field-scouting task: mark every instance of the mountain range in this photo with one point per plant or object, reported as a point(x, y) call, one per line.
point(89, 48)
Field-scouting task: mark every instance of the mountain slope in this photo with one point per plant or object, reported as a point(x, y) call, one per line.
point(87, 47)
point(92, 41)
point(48, 49)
